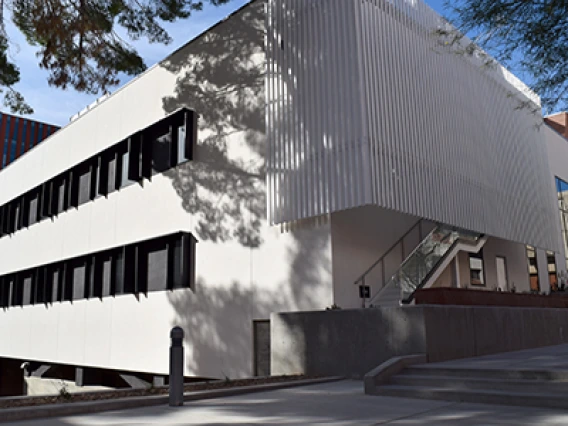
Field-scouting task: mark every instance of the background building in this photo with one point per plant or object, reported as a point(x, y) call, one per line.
point(18, 135)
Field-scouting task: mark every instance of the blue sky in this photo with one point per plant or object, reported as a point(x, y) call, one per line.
point(55, 106)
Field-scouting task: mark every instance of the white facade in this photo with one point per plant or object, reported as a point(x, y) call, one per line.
point(347, 140)
point(405, 123)
point(244, 269)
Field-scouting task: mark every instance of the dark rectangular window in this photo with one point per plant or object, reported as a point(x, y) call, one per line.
point(41, 294)
point(103, 180)
point(122, 159)
point(84, 182)
point(2, 218)
point(476, 269)
point(68, 274)
point(153, 265)
point(79, 278)
point(62, 194)
point(33, 202)
point(130, 269)
point(106, 271)
point(113, 171)
point(157, 265)
point(89, 277)
point(533, 269)
point(25, 213)
point(54, 191)
point(101, 275)
point(7, 224)
point(190, 134)
point(154, 149)
point(5, 292)
point(161, 154)
point(135, 157)
point(73, 188)
point(93, 171)
point(56, 277)
point(117, 272)
point(45, 200)
point(15, 216)
point(17, 291)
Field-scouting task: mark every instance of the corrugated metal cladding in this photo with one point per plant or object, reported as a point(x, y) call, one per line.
point(365, 106)
point(18, 135)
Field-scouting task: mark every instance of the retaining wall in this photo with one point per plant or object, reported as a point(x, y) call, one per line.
point(352, 342)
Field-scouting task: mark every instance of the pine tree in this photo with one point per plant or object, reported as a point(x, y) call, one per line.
point(78, 40)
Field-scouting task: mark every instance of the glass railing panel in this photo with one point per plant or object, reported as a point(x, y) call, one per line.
point(422, 261)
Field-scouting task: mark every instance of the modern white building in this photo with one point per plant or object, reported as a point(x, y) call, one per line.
point(289, 154)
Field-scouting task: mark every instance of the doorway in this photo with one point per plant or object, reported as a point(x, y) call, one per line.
point(261, 347)
point(502, 280)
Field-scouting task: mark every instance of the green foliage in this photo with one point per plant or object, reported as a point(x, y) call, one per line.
point(63, 392)
point(530, 37)
point(79, 43)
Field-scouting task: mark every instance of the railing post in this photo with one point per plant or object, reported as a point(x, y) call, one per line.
point(176, 367)
point(384, 273)
point(363, 290)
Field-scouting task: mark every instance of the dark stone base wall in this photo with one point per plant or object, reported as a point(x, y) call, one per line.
point(11, 378)
point(353, 342)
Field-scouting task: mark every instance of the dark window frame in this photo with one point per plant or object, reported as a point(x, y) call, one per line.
point(137, 152)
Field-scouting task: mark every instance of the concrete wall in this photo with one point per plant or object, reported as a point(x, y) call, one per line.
point(516, 260)
point(352, 342)
point(244, 269)
point(344, 342)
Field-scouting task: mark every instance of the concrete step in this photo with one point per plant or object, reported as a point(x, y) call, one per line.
point(389, 297)
point(547, 400)
point(488, 373)
point(471, 383)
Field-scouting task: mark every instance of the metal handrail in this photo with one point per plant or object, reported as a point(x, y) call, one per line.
point(361, 279)
point(386, 283)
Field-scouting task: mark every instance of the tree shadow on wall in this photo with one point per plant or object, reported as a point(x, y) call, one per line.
point(216, 321)
point(221, 76)
point(217, 318)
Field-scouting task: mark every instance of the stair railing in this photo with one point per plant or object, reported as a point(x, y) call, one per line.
point(381, 260)
point(459, 240)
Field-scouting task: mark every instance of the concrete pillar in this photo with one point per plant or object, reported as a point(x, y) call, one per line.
point(542, 264)
point(455, 265)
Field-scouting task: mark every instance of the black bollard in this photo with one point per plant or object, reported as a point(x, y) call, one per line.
point(176, 367)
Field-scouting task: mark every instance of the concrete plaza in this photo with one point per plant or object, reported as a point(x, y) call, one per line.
point(338, 403)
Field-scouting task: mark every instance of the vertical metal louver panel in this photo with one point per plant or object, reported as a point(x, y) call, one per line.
point(366, 106)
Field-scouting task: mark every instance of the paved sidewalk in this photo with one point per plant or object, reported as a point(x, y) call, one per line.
point(546, 358)
point(338, 403)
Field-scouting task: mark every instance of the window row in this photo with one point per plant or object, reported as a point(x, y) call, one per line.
point(164, 263)
point(159, 147)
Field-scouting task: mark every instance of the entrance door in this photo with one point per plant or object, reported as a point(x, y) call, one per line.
point(502, 274)
point(261, 341)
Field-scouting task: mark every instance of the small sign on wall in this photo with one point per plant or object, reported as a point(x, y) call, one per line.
point(364, 291)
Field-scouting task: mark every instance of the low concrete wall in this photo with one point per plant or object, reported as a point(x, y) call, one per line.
point(353, 342)
point(343, 342)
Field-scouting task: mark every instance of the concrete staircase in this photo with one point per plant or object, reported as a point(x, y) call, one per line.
point(389, 296)
point(537, 388)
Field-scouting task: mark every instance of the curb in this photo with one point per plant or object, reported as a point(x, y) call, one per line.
point(381, 374)
point(73, 408)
